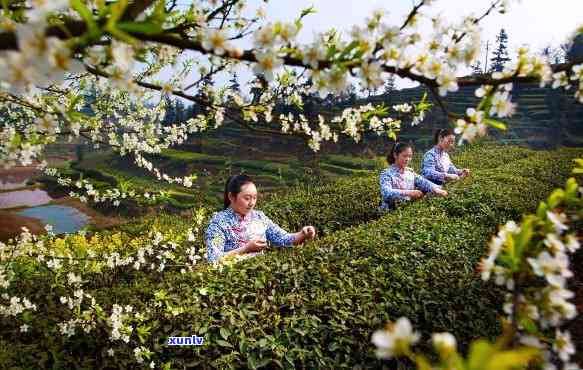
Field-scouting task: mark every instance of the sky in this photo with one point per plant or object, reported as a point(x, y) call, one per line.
point(534, 22)
point(537, 23)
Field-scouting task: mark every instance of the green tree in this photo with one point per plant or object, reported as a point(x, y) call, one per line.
point(575, 52)
point(500, 55)
point(477, 68)
point(389, 85)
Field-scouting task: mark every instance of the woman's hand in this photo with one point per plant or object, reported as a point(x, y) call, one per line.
point(440, 192)
point(309, 232)
point(451, 177)
point(415, 194)
point(465, 172)
point(255, 245)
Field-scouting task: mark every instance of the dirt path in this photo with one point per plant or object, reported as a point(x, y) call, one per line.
point(11, 225)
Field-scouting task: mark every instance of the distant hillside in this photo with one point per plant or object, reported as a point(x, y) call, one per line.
point(545, 118)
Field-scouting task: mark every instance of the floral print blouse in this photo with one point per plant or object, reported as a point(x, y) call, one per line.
point(436, 164)
point(394, 183)
point(229, 230)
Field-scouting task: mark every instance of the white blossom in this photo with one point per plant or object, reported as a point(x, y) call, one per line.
point(267, 62)
point(558, 221)
point(553, 268)
point(395, 339)
point(215, 40)
point(313, 55)
point(563, 345)
point(501, 105)
point(444, 343)
point(265, 37)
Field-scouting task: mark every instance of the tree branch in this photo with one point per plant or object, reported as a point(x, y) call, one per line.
point(202, 102)
point(77, 28)
point(441, 102)
point(202, 78)
point(412, 15)
point(220, 9)
point(488, 80)
point(245, 124)
point(478, 20)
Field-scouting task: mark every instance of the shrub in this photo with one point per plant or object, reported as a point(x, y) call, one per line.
point(309, 307)
point(352, 201)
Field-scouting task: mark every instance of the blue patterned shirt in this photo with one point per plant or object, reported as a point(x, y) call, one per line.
point(436, 164)
point(228, 230)
point(394, 184)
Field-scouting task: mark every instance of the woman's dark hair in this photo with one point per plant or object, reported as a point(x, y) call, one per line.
point(441, 133)
point(396, 150)
point(234, 185)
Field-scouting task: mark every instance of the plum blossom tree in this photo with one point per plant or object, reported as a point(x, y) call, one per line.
point(52, 51)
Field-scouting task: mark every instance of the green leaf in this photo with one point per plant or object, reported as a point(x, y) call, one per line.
point(512, 359)
point(5, 5)
point(308, 11)
point(347, 50)
point(556, 198)
point(121, 35)
point(102, 8)
point(571, 188)
point(159, 14)
point(480, 352)
point(16, 140)
point(541, 210)
point(495, 123)
point(116, 11)
point(422, 363)
point(87, 16)
point(225, 333)
point(143, 333)
point(331, 51)
point(529, 325)
point(423, 105)
point(264, 362)
point(299, 24)
point(27, 316)
point(252, 362)
point(224, 343)
point(146, 28)
point(522, 239)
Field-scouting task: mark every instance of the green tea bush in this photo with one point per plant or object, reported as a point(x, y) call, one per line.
point(348, 202)
point(484, 156)
point(314, 306)
point(353, 162)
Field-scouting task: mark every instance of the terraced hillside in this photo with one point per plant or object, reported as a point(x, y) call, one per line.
point(545, 118)
point(273, 172)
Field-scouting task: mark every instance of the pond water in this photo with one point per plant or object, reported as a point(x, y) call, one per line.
point(63, 219)
point(24, 198)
